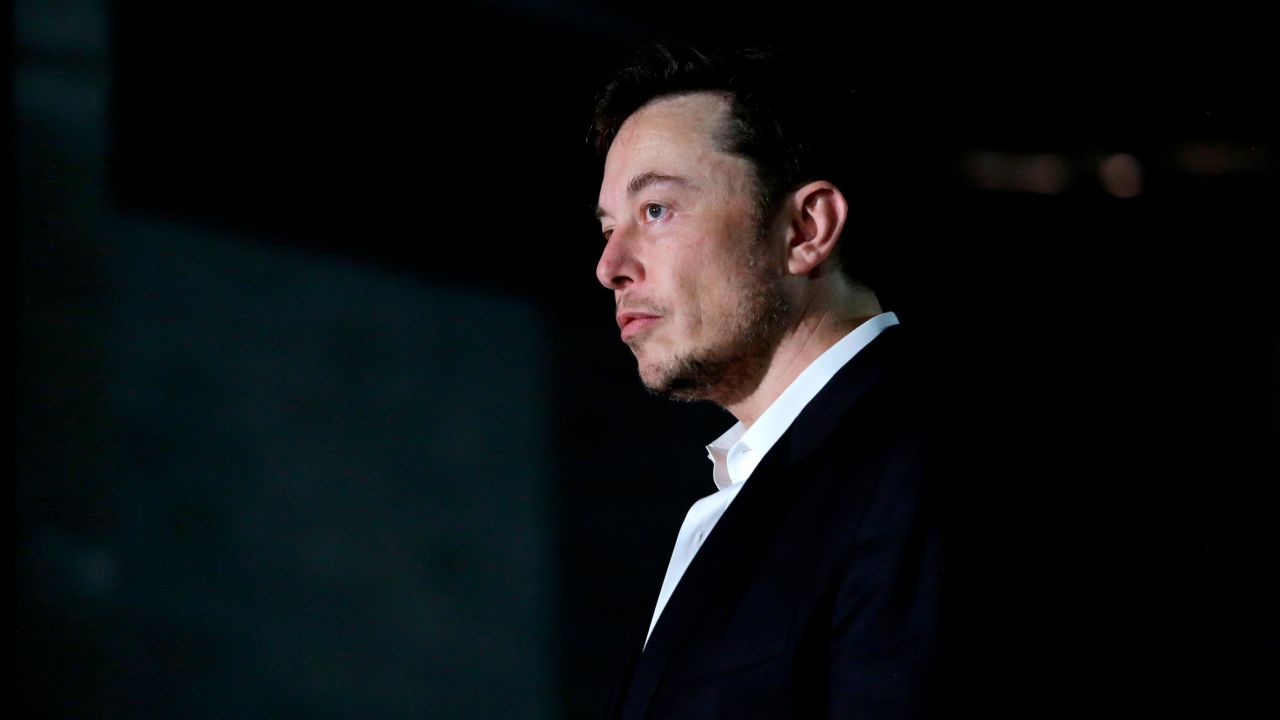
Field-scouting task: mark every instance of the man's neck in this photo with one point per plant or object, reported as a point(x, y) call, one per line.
point(820, 325)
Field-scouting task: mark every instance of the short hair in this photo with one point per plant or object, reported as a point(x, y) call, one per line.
point(788, 116)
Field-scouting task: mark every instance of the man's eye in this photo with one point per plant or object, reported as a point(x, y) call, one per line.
point(607, 233)
point(654, 211)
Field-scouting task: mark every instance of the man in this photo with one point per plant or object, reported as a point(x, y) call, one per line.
point(807, 585)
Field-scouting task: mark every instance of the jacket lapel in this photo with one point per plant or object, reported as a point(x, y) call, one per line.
point(753, 515)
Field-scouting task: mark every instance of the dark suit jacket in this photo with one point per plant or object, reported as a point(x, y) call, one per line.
point(818, 592)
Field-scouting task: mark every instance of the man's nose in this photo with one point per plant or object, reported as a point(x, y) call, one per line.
point(618, 266)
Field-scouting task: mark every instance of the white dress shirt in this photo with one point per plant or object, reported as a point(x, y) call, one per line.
point(736, 453)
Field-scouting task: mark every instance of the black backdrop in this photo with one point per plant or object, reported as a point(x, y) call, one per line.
point(318, 410)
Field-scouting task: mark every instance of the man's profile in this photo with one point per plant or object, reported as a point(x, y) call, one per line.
point(808, 584)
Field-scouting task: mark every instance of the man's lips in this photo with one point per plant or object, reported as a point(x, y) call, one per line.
point(631, 323)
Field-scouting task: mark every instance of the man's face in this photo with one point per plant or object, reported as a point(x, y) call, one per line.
point(697, 281)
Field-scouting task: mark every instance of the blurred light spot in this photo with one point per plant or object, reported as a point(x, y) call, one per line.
point(1121, 175)
point(1218, 158)
point(1042, 173)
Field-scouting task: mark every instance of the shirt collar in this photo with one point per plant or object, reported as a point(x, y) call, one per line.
point(737, 452)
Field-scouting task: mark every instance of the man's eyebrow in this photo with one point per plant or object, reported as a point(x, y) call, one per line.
point(648, 179)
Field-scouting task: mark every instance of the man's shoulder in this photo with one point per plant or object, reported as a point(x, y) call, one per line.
point(880, 439)
point(884, 396)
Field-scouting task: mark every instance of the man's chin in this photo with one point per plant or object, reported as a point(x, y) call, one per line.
point(681, 380)
point(675, 391)
point(723, 378)
point(656, 383)
point(662, 380)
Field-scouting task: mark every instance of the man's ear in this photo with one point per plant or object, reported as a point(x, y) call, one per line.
point(817, 214)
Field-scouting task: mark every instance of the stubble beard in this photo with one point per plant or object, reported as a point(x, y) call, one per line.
point(733, 368)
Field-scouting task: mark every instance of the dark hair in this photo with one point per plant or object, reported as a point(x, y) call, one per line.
point(788, 116)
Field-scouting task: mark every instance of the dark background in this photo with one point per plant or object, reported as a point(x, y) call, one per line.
point(318, 410)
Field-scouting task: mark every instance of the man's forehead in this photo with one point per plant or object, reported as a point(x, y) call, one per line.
point(673, 135)
point(697, 115)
